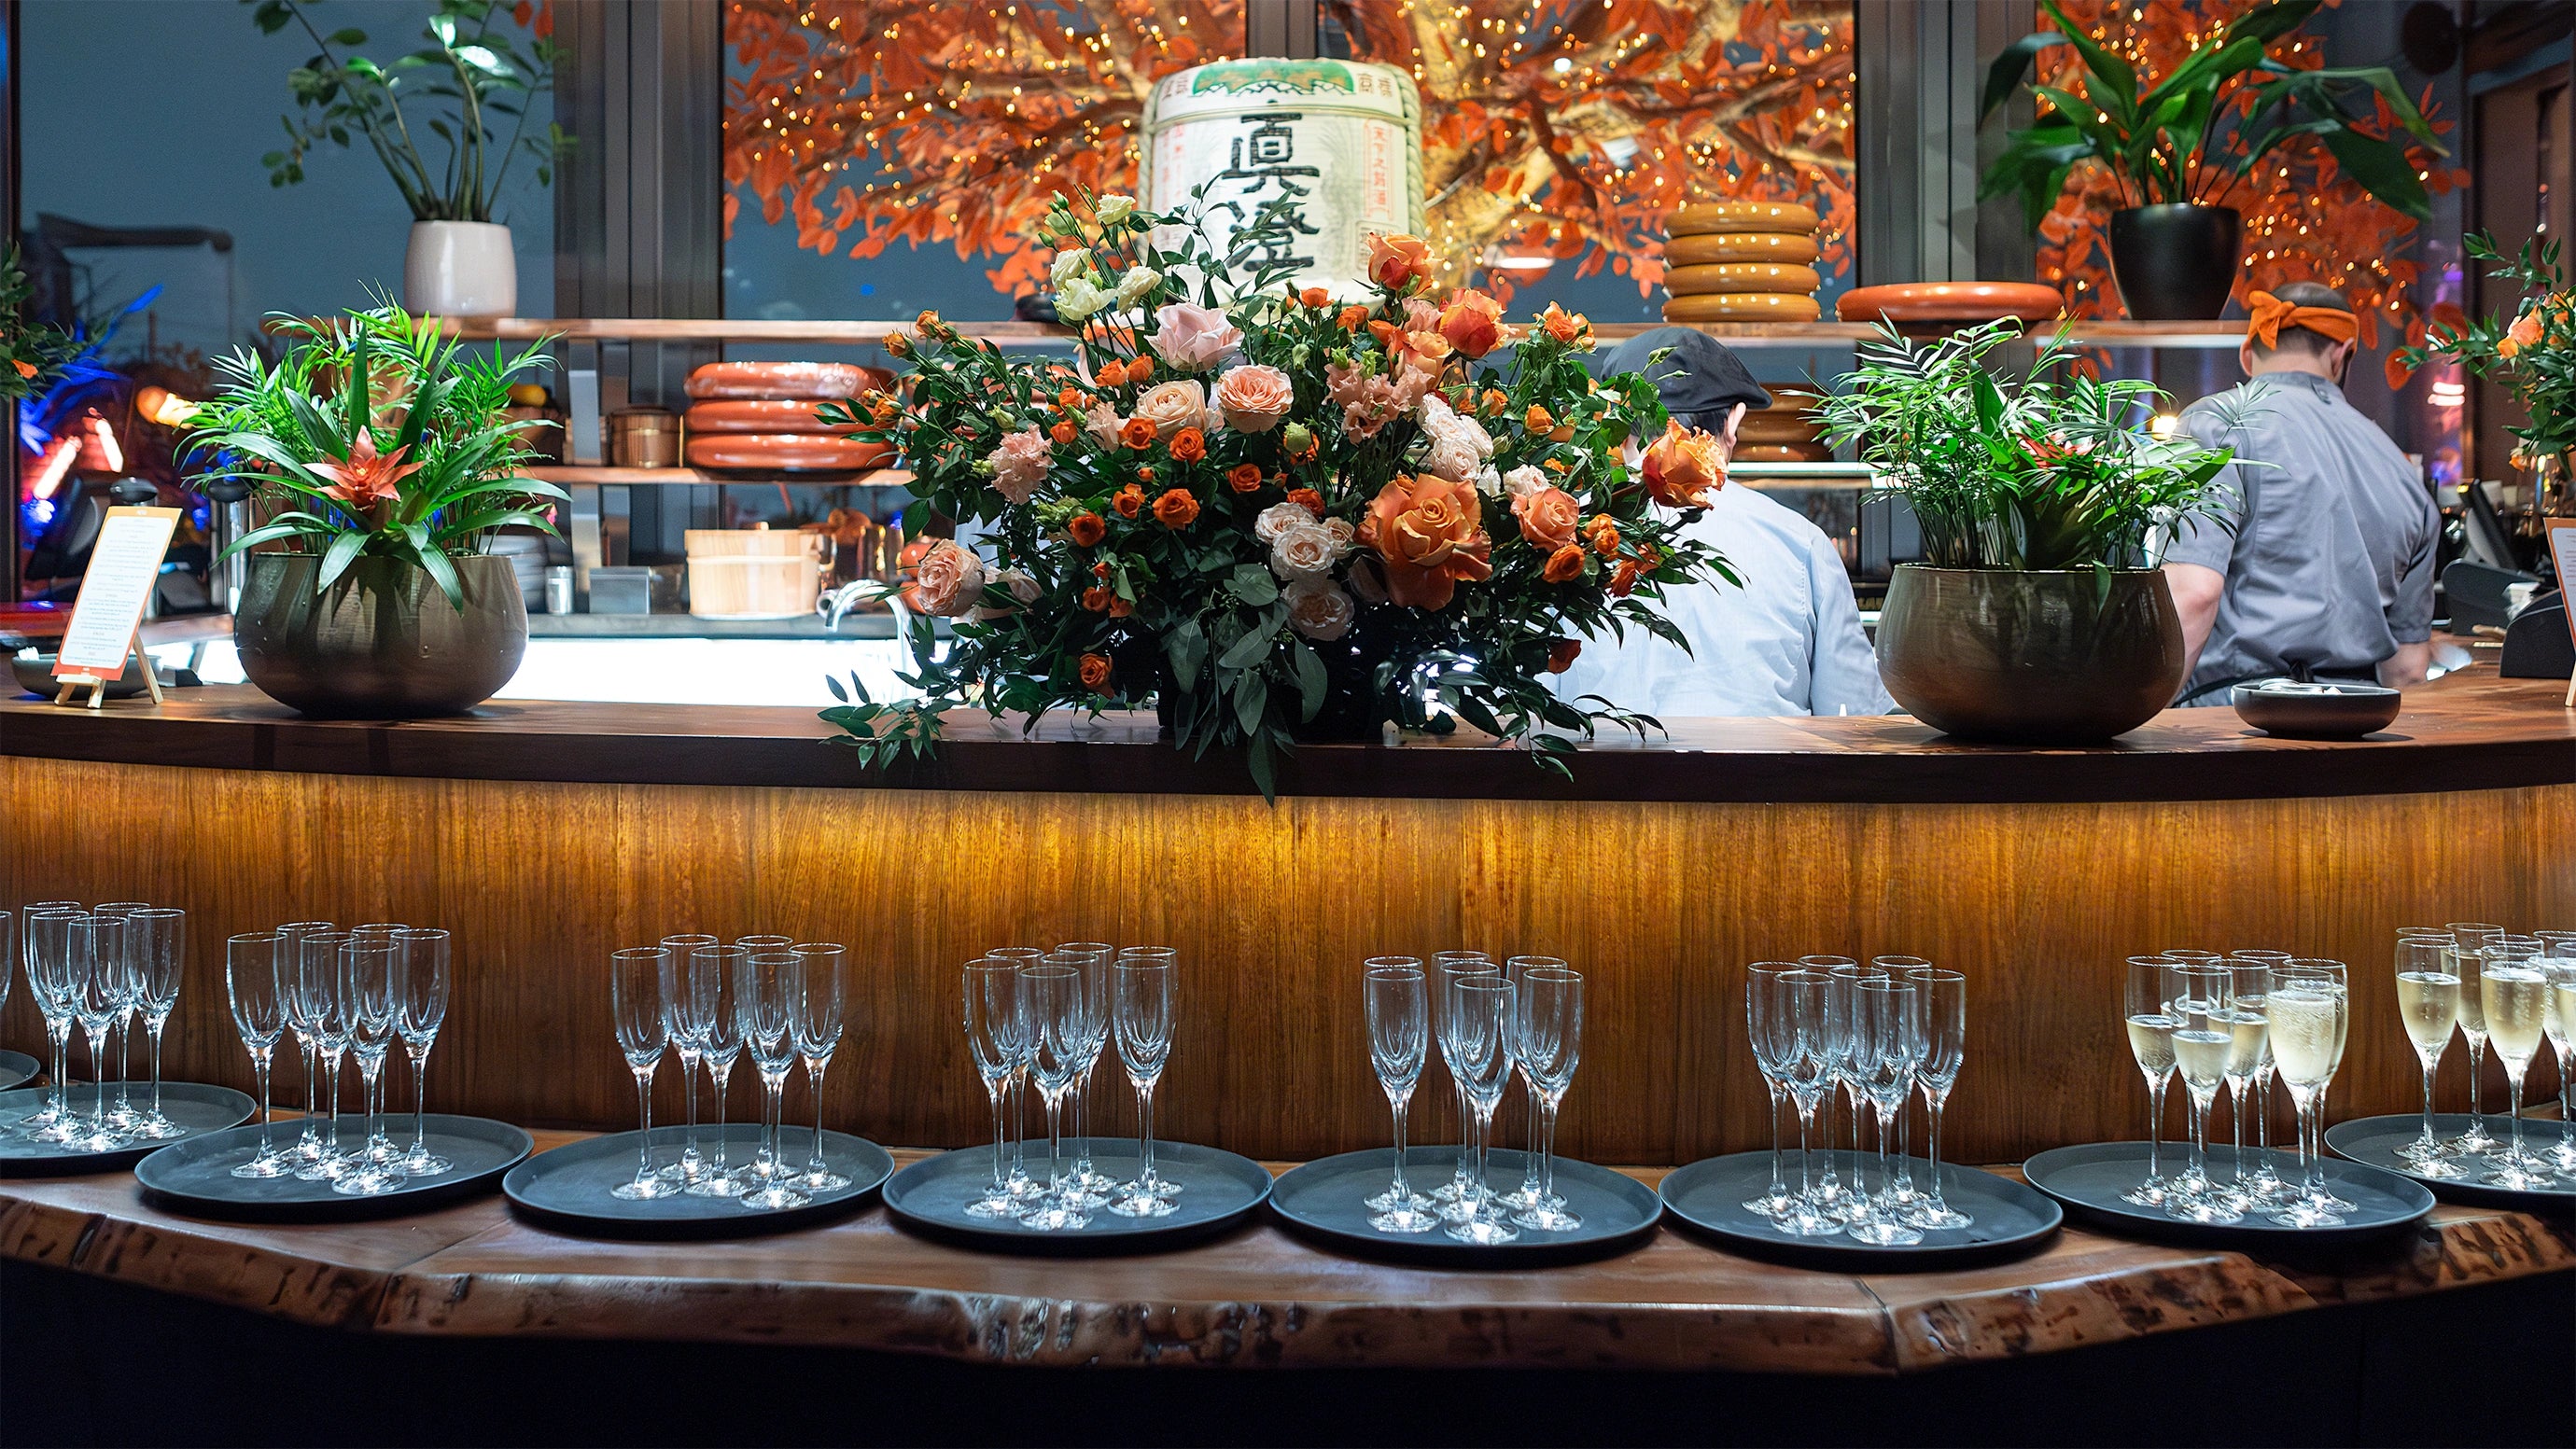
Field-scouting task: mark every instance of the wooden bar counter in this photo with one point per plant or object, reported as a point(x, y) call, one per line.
point(545, 835)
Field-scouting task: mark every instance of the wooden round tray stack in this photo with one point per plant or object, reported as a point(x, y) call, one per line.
point(759, 416)
point(1785, 432)
point(1741, 261)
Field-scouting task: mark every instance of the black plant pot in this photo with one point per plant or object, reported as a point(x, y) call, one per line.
point(2038, 658)
point(382, 642)
point(2177, 262)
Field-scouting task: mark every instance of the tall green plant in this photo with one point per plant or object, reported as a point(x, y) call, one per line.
point(375, 436)
point(2195, 133)
point(2531, 349)
point(474, 74)
point(2049, 471)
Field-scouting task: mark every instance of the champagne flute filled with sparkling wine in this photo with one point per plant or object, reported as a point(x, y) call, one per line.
point(2311, 1012)
point(2514, 990)
point(2428, 1004)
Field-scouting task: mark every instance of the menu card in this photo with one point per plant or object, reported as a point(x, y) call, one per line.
point(124, 566)
point(2562, 550)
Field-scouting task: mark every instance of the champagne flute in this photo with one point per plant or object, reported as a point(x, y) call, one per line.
point(1059, 1044)
point(1830, 1194)
point(2468, 939)
point(816, 1012)
point(1399, 1030)
point(126, 973)
point(1141, 1008)
point(2265, 1187)
point(2428, 1003)
point(2310, 1011)
point(159, 942)
point(1886, 1028)
point(2558, 963)
point(423, 973)
point(1772, 1040)
point(714, 976)
point(1093, 959)
point(2203, 1041)
point(1549, 1006)
point(1453, 967)
point(1800, 1000)
point(639, 981)
point(2152, 988)
point(95, 947)
point(308, 1146)
point(1942, 997)
point(253, 991)
point(996, 1017)
point(1475, 1041)
point(1902, 1192)
point(1527, 1194)
point(46, 925)
point(2515, 992)
point(764, 1010)
point(1023, 1186)
point(689, 1040)
point(2250, 982)
point(367, 977)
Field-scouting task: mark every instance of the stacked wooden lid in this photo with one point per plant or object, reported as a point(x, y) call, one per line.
point(1741, 261)
point(1785, 432)
point(760, 415)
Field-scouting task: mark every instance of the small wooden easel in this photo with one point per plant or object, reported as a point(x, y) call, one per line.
point(124, 568)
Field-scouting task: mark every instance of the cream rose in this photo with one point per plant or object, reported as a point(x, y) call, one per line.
point(1020, 585)
point(1254, 398)
point(949, 580)
point(1172, 406)
point(1523, 481)
point(1320, 611)
point(1278, 518)
point(1304, 552)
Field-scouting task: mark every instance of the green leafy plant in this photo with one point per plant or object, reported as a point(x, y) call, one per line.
point(2532, 351)
point(2053, 470)
point(374, 437)
point(2194, 133)
point(474, 73)
point(32, 353)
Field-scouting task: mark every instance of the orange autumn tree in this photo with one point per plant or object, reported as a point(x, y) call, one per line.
point(1566, 129)
point(2306, 219)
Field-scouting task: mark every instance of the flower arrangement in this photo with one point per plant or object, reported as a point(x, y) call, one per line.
point(1279, 514)
point(2533, 354)
point(373, 436)
point(32, 353)
point(2051, 471)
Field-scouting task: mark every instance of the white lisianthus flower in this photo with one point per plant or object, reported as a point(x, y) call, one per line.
point(1077, 300)
point(1137, 284)
point(1070, 263)
point(1114, 208)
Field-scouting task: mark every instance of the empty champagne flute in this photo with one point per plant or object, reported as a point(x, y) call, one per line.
point(421, 970)
point(2468, 940)
point(254, 991)
point(1141, 1008)
point(715, 975)
point(2310, 1013)
point(1093, 959)
point(2428, 1003)
point(1019, 958)
point(1902, 1192)
point(1528, 1193)
point(1886, 1030)
point(2151, 990)
point(764, 1008)
point(996, 1017)
point(1771, 1047)
point(157, 936)
point(128, 976)
point(308, 1146)
point(1399, 1029)
point(1548, 1004)
point(1059, 1044)
point(96, 946)
point(1475, 1041)
point(49, 981)
point(1802, 1004)
point(2515, 993)
point(689, 1041)
point(323, 1001)
point(639, 978)
point(1830, 1194)
point(815, 1013)
point(1942, 999)
point(1449, 968)
point(370, 976)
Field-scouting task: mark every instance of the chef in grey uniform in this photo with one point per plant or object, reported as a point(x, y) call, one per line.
point(2328, 572)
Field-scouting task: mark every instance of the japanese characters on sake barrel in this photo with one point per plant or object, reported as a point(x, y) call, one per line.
point(1341, 141)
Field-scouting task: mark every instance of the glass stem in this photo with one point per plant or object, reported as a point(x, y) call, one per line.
point(1055, 1142)
point(1904, 1140)
point(1806, 1118)
point(720, 1076)
point(1483, 1131)
point(2477, 1084)
point(2236, 1094)
point(2263, 1116)
point(312, 1098)
point(2199, 1137)
point(1547, 1154)
point(644, 1118)
point(419, 1101)
point(689, 1069)
point(815, 1067)
point(2513, 1099)
point(1532, 1181)
point(259, 1064)
point(2426, 1141)
point(996, 1091)
point(98, 1070)
point(1466, 1140)
point(62, 1066)
point(1779, 1189)
point(2155, 1124)
point(1081, 1121)
point(1401, 1189)
point(1932, 1141)
point(1886, 1174)
point(1145, 1131)
point(332, 1086)
point(157, 1024)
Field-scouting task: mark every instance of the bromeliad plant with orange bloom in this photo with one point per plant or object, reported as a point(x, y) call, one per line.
point(373, 436)
point(1278, 515)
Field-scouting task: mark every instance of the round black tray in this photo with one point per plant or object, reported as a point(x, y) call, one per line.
point(194, 1105)
point(1218, 1188)
point(17, 1069)
point(1708, 1196)
point(2373, 1142)
point(2089, 1178)
point(567, 1188)
point(1325, 1200)
point(196, 1175)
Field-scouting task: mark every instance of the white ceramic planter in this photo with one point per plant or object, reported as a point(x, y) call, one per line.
point(460, 269)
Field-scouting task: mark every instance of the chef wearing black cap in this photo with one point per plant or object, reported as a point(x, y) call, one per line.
point(1789, 641)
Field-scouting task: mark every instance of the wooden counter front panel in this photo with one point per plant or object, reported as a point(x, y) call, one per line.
point(1273, 909)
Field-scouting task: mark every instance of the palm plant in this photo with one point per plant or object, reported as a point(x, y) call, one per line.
point(2194, 134)
point(377, 436)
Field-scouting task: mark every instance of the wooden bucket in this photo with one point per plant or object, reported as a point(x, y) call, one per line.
point(753, 573)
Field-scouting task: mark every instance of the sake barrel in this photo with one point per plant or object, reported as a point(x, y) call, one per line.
point(1339, 141)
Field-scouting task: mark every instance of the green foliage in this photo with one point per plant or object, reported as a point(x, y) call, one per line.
point(2173, 140)
point(382, 386)
point(2532, 351)
point(2049, 471)
point(31, 353)
point(474, 74)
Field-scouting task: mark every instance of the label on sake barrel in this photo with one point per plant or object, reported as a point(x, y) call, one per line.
point(1339, 141)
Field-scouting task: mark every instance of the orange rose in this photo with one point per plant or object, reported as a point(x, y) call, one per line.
point(1472, 322)
point(1140, 368)
point(1176, 508)
point(1145, 474)
point(897, 345)
point(1623, 578)
point(1095, 673)
point(1603, 534)
point(1561, 653)
point(1064, 433)
point(1308, 499)
point(1189, 445)
point(1097, 600)
point(1495, 402)
point(1538, 419)
point(1684, 466)
point(1352, 318)
point(1244, 477)
point(1562, 327)
point(928, 321)
point(1316, 298)
point(1120, 608)
point(1139, 433)
point(1113, 375)
point(1564, 565)
point(1547, 518)
point(1068, 399)
point(1129, 502)
point(2524, 332)
point(1087, 529)
point(1397, 262)
point(1431, 533)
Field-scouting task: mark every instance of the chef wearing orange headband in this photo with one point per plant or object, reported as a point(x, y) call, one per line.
point(2325, 570)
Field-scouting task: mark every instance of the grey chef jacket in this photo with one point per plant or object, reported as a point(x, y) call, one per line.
point(2331, 562)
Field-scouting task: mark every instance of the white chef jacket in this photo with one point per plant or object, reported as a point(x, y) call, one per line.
point(1788, 641)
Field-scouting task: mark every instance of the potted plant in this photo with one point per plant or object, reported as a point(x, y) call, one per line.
point(380, 455)
point(2039, 615)
point(2533, 353)
point(1280, 515)
point(2179, 146)
point(469, 90)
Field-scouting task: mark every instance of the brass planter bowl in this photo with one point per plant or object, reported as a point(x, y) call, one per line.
point(382, 642)
point(2043, 658)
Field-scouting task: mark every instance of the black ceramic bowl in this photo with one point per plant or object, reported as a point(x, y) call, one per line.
point(35, 673)
point(2315, 711)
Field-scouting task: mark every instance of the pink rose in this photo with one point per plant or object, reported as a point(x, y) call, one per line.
point(1195, 339)
point(1254, 398)
point(1318, 610)
point(1172, 406)
point(949, 580)
point(1102, 422)
point(1020, 464)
